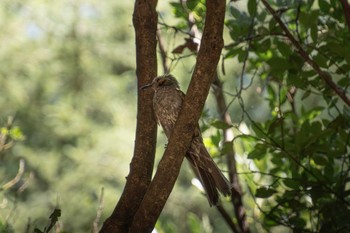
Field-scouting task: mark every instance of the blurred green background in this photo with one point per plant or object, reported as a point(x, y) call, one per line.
point(67, 74)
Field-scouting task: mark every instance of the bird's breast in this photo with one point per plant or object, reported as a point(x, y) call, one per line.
point(167, 104)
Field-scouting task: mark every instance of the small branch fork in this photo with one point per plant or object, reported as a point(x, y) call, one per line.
point(168, 169)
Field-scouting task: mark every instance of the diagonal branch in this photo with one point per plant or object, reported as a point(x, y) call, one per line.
point(346, 9)
point(145, 22)
point(327, 78)
point(179, 142)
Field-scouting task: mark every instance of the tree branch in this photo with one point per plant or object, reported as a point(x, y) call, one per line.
point(327, 78)
point(98, 212)
point(163, 52)
point(17, 178)
point(179, 142)
point(145, 22)
point(236, 197)
point(227, 218)
point(346, 9)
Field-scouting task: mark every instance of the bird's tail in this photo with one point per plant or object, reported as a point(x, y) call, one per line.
point(209, 174)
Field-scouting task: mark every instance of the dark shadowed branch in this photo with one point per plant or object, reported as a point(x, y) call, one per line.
point(346, 10)
point(227, 218)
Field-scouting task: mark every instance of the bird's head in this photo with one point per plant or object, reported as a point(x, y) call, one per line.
point(166, 80)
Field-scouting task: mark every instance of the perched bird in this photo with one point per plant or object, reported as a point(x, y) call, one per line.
point(167, 101)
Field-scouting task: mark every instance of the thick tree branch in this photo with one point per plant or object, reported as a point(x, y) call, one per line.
point(169, 167)
point(141, 167)
point(346, 10)
point(327, 78)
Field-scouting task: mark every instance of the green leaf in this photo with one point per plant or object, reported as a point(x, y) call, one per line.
point(263, 30)
point(278, 65)
point(306, 94)
point(220, 124)
point(324, 6)
point(235, 12)
point(264, 192)
point(258, 152)
point(252, 7)
point(17, 134)
point(283, 48)
point(320, 159)
point(227, 147)
point(309, 19)
point(321, 60)
point(298, 222)
point(258, 130)
point(264, 45)
point(314, 33)
point(178, 10)
point(194, 223)
point(273, 25)
point(293, 184)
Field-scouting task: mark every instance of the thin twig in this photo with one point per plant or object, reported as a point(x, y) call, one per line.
point(163, 52)
point(95, 226)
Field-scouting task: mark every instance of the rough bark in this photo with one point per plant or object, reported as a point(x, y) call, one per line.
point(179, 142)
point(141, 167)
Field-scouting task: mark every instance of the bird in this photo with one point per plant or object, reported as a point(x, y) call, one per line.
point(167, 102)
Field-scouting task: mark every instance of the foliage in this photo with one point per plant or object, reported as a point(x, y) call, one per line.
point(70, 79)
point(63, 76)
point(297, 146)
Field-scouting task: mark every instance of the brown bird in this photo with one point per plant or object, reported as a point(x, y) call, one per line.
point(167, 101)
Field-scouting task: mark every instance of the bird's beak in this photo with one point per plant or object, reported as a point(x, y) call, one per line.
point(146, 86)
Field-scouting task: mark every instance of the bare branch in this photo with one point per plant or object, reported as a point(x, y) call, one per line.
point(163, 53)
point(98, 213)
point(17, 177)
